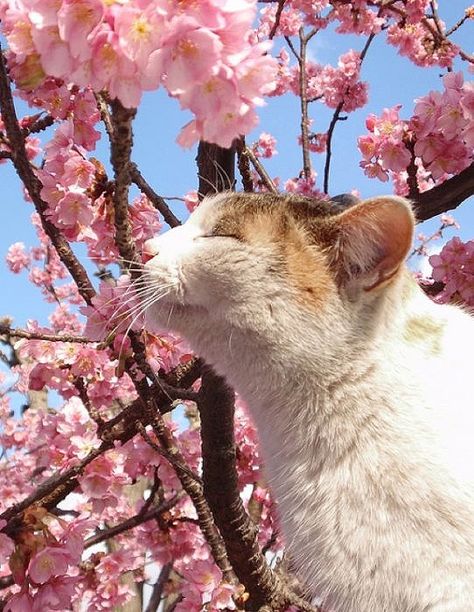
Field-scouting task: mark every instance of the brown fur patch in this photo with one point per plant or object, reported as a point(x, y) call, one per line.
point(293, 227)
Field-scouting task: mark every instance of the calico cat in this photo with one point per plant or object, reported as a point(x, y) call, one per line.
point(360, 387)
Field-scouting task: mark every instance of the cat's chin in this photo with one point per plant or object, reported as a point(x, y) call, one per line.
point(172, 316)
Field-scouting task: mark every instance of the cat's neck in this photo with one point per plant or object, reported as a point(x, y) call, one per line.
point(300, 393)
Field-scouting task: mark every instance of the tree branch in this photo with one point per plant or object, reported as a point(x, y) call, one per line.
point(216, 408)
point(247, 152)
point(132, 522)
point(157, 201)
point(303, 82)
point(121, 149)
point(273, 31)
point(121, 428)
point(23, 333)
point(192, 485)
point(158, 587)
point(446, 196)
point(215, 168)
point(33, 185)
point(337, 117)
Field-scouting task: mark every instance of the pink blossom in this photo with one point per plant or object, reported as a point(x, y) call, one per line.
point(17, 258)
point(144, 220)
point(54, 52)
point(265, 146)
point(17, 27)
point(77, 19)
point(223, 131)
point(28, 73)
point(454, 266)
point(394, 155)
point(191, 200)
point(139, 32)
point(223, 597)
point(189, 54)
point(427, 112)
point(49, 562)
point(204, 575)
point(111, 308)
point(78, 172)
point(6, 545)
point(73, 208)
point(20, 602)
point(56, 594)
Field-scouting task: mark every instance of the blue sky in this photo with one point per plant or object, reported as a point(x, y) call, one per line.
point(171, 170)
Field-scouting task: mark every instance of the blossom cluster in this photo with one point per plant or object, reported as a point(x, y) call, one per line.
point(206, 55)
point(202, 53)
point(51, 563)
point(438, 140)
point(334, 85)
point(454, 266)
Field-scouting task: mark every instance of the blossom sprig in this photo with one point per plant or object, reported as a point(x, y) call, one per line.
point(454, 266)
point(203, 54)
point(438, 139)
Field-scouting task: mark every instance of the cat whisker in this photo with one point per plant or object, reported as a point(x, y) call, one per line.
point(144, 292)
point(136, 313)
point(210, 183)
point(223, 175)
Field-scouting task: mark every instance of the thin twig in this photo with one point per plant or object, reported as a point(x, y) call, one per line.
point(157, 201)
point(23, 333)
point(336, 117)
point(40, 124)
point(262, 173)
point(158, 587)
point(105, 114)
point(94, 413)
point(292, 48)
point(191, 483)
point(51, 484)
point(121, 149)
point(172, 456)
point(459, 23)
point(273, 31)
point(33, 185)
point(134, 521)
point(304, 125)
point(121, 428)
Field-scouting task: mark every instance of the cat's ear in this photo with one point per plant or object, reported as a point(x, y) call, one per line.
point(372, 240)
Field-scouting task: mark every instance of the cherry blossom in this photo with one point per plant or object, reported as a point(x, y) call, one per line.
point(214, 58)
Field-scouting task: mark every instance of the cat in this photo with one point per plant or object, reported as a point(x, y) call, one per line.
point(360, 387)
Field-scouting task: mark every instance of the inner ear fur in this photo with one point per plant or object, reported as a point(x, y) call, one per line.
point(372, 240)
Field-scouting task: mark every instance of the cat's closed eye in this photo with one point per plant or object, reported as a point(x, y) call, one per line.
point(233, 236)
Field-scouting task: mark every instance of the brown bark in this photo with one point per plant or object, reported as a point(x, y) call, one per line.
point(216, 408)
point(446, 196)
point(216, 168)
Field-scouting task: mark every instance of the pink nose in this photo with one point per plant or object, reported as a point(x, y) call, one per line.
point(148, 252)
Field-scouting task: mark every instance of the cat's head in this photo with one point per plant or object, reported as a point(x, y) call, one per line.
point(250, 260)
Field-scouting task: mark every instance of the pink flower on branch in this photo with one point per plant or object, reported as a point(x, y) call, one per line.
point(77, 20)
point(17, 258)
point(49, 562)
point(127, 48)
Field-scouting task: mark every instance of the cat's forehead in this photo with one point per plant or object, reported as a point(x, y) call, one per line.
point(238, 213)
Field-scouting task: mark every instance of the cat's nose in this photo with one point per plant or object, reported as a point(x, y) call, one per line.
point(149, 250)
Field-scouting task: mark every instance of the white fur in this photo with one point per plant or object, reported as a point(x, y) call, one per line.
point(367, 434)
